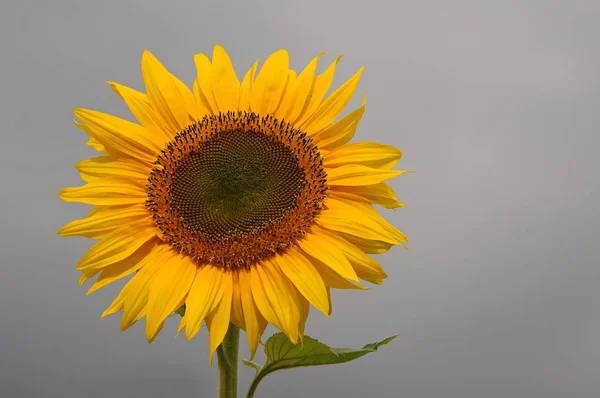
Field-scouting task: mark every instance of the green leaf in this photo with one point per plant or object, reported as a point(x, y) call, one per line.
point(282, 354)
point(252, 365)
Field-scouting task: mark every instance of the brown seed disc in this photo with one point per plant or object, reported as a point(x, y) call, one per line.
point(234, 189)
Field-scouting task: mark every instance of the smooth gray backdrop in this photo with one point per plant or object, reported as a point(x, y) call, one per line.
point(496, 104)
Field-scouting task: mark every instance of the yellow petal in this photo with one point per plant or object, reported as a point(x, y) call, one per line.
point(92, 142)
point(341, 131)
point(116, 305)
point(251, 312)
point(218, 320)
point(105, 191)
point(168, 289)
point(290, 81)
point(137, 289)
point(323, 248)
point(358, 219)
point(121, 138)
point(105, 166)
point(369, 271)
point(182, 324)
point(270, 83)
point(262, 322)
point(117, 245)
point(203, 85)
point(104, 221)
point(333, 105)
point(97, 209)
point(226, 86)
point(365, 266)
point(371, 246)
point(204, 295)
point(299, 270)
point(124, 267)
point(297, 92)
point(295, 299)
point(355, 174)
point(151, 337)
point(172, 100)
point(237, 311)
point(320, 87)
point(347, 196)
point(370, 154)
point(271, 298)
point(140, 107)
point(86, 274)
point(246, 88)
point(304, 311)
point(381, 194)
point(333, 280)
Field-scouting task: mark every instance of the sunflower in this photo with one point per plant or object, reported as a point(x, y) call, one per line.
point(241, 201)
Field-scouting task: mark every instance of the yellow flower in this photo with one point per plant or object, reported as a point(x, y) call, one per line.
point(242, 201)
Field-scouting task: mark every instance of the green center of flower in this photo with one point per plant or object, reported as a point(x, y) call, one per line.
point(235, 182)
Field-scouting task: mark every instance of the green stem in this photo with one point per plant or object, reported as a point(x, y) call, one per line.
point(253, 387)
point(228, 363)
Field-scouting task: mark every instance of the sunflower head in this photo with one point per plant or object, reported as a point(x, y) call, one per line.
point(242, 201)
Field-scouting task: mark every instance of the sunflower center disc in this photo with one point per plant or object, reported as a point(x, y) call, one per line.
point(235, 182)
point(235, 189)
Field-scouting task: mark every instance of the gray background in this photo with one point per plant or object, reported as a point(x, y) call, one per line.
point(496, 104)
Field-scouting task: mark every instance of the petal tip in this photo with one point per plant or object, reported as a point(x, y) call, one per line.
point(64, 195)
point(151, 332)
point(218, 47)
point(105, 314)
point(148, 59)
point(282, 52)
